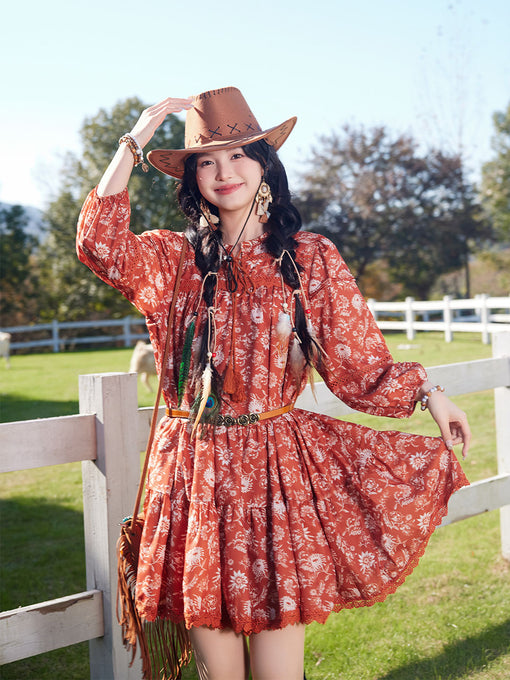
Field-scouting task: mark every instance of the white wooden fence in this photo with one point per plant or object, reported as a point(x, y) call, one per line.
point(452, 318)
point(126, 330)
point(108, 436)
point(487, 315)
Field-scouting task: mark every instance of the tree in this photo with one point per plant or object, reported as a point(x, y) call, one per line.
point(449, 225)
point(72, 291)
point(496, 178)
point(378, 199)
point(18, 282)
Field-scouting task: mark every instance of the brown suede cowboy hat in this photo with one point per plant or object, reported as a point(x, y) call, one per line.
point(219, 119)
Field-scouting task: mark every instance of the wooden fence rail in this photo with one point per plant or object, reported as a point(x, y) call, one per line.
point(108, 435)
point(488, 315)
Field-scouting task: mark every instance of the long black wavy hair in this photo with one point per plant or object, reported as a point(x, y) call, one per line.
point(284, 222)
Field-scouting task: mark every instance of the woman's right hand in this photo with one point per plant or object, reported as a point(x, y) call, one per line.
point(153, 117)
point(117, 174)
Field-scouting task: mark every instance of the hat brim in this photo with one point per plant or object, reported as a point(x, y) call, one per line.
point(171, 161)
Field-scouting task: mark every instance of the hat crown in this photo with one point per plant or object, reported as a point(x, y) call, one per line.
point(221, 115)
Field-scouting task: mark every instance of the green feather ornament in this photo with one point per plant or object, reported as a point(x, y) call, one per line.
point(185, 360)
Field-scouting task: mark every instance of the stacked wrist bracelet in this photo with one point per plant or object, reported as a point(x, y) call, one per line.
point(425, 399)
point(135, 149)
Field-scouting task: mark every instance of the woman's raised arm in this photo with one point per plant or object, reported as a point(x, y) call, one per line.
point(117, 174)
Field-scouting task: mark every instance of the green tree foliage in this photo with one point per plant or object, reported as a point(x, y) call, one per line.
point(18, 281)
point(378, 199)
point(496, 177)
point(71, 291)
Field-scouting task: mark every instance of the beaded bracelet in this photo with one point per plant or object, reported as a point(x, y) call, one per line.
point(425, 398)
point(135, 149)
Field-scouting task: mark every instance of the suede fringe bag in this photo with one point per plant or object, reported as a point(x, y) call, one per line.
point(164, 645)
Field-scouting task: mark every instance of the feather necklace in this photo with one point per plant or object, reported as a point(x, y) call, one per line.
point(233, 381)
point(305, 304)
point(207, 404)
point(287, 326)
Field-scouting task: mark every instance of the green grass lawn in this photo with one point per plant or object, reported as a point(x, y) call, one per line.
point(450, 620)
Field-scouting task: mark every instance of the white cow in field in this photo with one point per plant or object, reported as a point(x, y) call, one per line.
point(142, 362)
point(5, 348)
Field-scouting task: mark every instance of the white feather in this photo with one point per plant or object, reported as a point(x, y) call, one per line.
point(283, 327)
point(297, 359)
point(206, 391)
point(313, 335)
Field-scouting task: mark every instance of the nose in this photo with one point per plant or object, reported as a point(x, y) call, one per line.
point(223, 169)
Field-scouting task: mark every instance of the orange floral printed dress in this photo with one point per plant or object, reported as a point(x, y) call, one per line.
point(288, 519)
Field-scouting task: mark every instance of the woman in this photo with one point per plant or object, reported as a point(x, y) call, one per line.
point(273, 516)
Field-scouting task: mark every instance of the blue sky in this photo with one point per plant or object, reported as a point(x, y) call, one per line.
point(436, 69)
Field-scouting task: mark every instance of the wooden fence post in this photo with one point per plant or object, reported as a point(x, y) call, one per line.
point(127, 331)
point(372, 308)
point(110, 483)
point(501, 347)
point(409, 318)
point(447, 318)
point(484, 313)
point(54, 335)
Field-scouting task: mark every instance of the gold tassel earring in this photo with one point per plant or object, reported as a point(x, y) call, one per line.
point(207, 219)
point(263, 200)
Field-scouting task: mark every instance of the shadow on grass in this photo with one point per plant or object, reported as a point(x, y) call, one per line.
point(16, 407)
point(459, 659)
point(43, 553)
point(43, 557)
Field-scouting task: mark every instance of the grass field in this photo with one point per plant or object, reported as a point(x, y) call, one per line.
point(450, 620)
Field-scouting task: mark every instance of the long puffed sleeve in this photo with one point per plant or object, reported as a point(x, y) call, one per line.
point(142, 268)
point(357, 365)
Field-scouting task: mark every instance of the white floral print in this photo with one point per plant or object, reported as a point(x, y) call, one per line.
point(290, 518)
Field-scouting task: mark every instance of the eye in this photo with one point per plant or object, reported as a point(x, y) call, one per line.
point(204, 163)
point(237, 155)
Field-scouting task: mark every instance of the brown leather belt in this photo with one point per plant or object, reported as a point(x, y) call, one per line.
point(244, 419)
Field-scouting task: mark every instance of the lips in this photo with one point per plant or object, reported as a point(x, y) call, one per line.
point(227, 189)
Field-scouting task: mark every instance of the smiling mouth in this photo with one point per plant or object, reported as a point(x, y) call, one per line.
point(227, 189)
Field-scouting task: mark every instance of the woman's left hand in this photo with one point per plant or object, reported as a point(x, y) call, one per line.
point(451, 420)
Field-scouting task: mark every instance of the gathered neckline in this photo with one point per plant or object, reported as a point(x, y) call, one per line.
point(243, 245)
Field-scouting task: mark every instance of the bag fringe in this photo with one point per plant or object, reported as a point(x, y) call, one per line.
point(164, 646)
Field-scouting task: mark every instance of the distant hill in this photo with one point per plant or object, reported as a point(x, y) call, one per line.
point(35, 226)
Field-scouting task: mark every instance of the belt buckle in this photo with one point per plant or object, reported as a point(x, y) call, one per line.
point(244, 419)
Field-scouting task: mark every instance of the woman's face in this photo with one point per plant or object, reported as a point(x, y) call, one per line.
point(228, 179)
